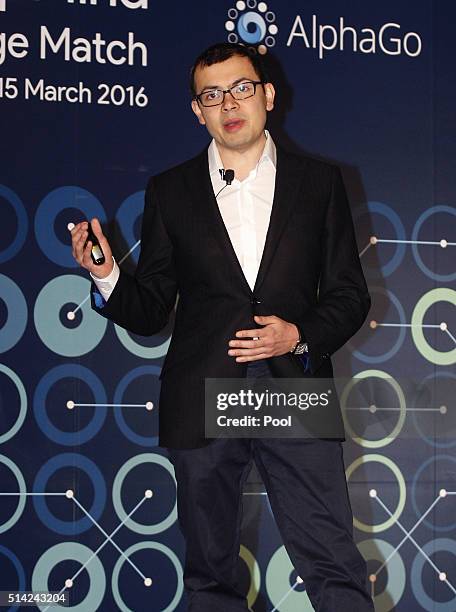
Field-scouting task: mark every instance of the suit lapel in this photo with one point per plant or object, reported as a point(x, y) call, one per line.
point(205, 204)
point(288, 178)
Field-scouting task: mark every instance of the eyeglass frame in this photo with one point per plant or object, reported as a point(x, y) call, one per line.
point(225, 91)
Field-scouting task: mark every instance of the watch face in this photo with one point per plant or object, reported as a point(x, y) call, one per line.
point(301, 348)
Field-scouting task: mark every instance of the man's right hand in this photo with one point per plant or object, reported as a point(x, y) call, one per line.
point(79, 235)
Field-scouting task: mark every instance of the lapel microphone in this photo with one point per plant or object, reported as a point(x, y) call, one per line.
point(227, 176)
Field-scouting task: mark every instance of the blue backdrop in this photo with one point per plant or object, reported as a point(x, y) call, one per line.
point(370, 86)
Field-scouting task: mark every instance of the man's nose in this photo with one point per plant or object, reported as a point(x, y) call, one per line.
point(229, 103)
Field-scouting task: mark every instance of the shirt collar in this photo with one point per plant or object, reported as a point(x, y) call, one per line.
point(269, 154)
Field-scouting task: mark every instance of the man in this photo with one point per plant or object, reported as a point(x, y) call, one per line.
point(278, 242)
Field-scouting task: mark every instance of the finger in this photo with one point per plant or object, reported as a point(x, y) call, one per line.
point(246, 352)
point(246, 343)
point(76, 237)
point(79, 244)
point(96, 228)
point(77, 231)
point(266, 319)
point(78, 227)
point(86, 257)
point(250, 333)
point(252, 358)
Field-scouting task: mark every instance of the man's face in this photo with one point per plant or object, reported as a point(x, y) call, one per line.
point(235, 124)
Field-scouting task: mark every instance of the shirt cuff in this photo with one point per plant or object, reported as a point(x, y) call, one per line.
point(106, 285)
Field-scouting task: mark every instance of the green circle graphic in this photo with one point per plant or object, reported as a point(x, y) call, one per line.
point(278, 586)
point(76, 552)
point(402, 408)
point(151, 546)
point(442, 294)
point(117, 494)
point(21, 497)
point(402, 491)
point(23, 403)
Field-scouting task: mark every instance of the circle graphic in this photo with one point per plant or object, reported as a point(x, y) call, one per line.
point(389, 354)
point(117, 494)
point(148, 546)
point(6, 552)
point(255, 574)
point(432, 439)
point(402, 491)
point(118, 399)
point(78, 372)
point(50, 206)
point(22, 224)
point(65, 341)
point(402, 408)
point(379, 550)
point(76, 552)
point(145, 352)
point(435, 472)
point(16, 306)
point(391, 215)
point(21, 496)
point(72, 460)
point(23, 403)
point(450, 210)
point(436, 357)
point(428, 603)
point(278, 584)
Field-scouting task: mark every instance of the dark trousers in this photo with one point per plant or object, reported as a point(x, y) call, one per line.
point(305, 482)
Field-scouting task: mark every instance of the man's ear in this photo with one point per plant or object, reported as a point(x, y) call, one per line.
point(269, 93)
point(196, 109)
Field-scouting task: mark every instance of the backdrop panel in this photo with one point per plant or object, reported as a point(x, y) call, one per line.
point(94, 99)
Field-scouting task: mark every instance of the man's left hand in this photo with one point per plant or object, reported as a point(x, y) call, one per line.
point(277, 337)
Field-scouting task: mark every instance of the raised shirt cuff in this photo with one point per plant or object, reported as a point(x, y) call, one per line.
point(106, 285)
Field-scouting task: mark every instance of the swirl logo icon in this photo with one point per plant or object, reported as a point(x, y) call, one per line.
point(253, 24)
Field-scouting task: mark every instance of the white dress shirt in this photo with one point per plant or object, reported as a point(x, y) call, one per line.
point(245, 207)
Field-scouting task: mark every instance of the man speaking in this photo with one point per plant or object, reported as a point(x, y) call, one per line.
point(260, 245)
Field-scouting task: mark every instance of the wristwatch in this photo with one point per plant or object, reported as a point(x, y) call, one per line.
point(301, 345)
point(300, 348)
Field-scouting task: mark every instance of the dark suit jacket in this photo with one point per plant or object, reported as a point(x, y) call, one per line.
point(310, 274)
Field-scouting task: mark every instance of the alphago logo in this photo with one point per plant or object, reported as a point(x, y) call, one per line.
point(251, 23)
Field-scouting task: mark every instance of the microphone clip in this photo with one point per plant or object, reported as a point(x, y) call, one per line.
point(227, 175)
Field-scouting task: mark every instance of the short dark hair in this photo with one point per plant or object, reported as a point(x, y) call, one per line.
point(222, 51)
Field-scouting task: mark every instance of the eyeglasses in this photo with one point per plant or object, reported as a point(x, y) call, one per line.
point(241, 91)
